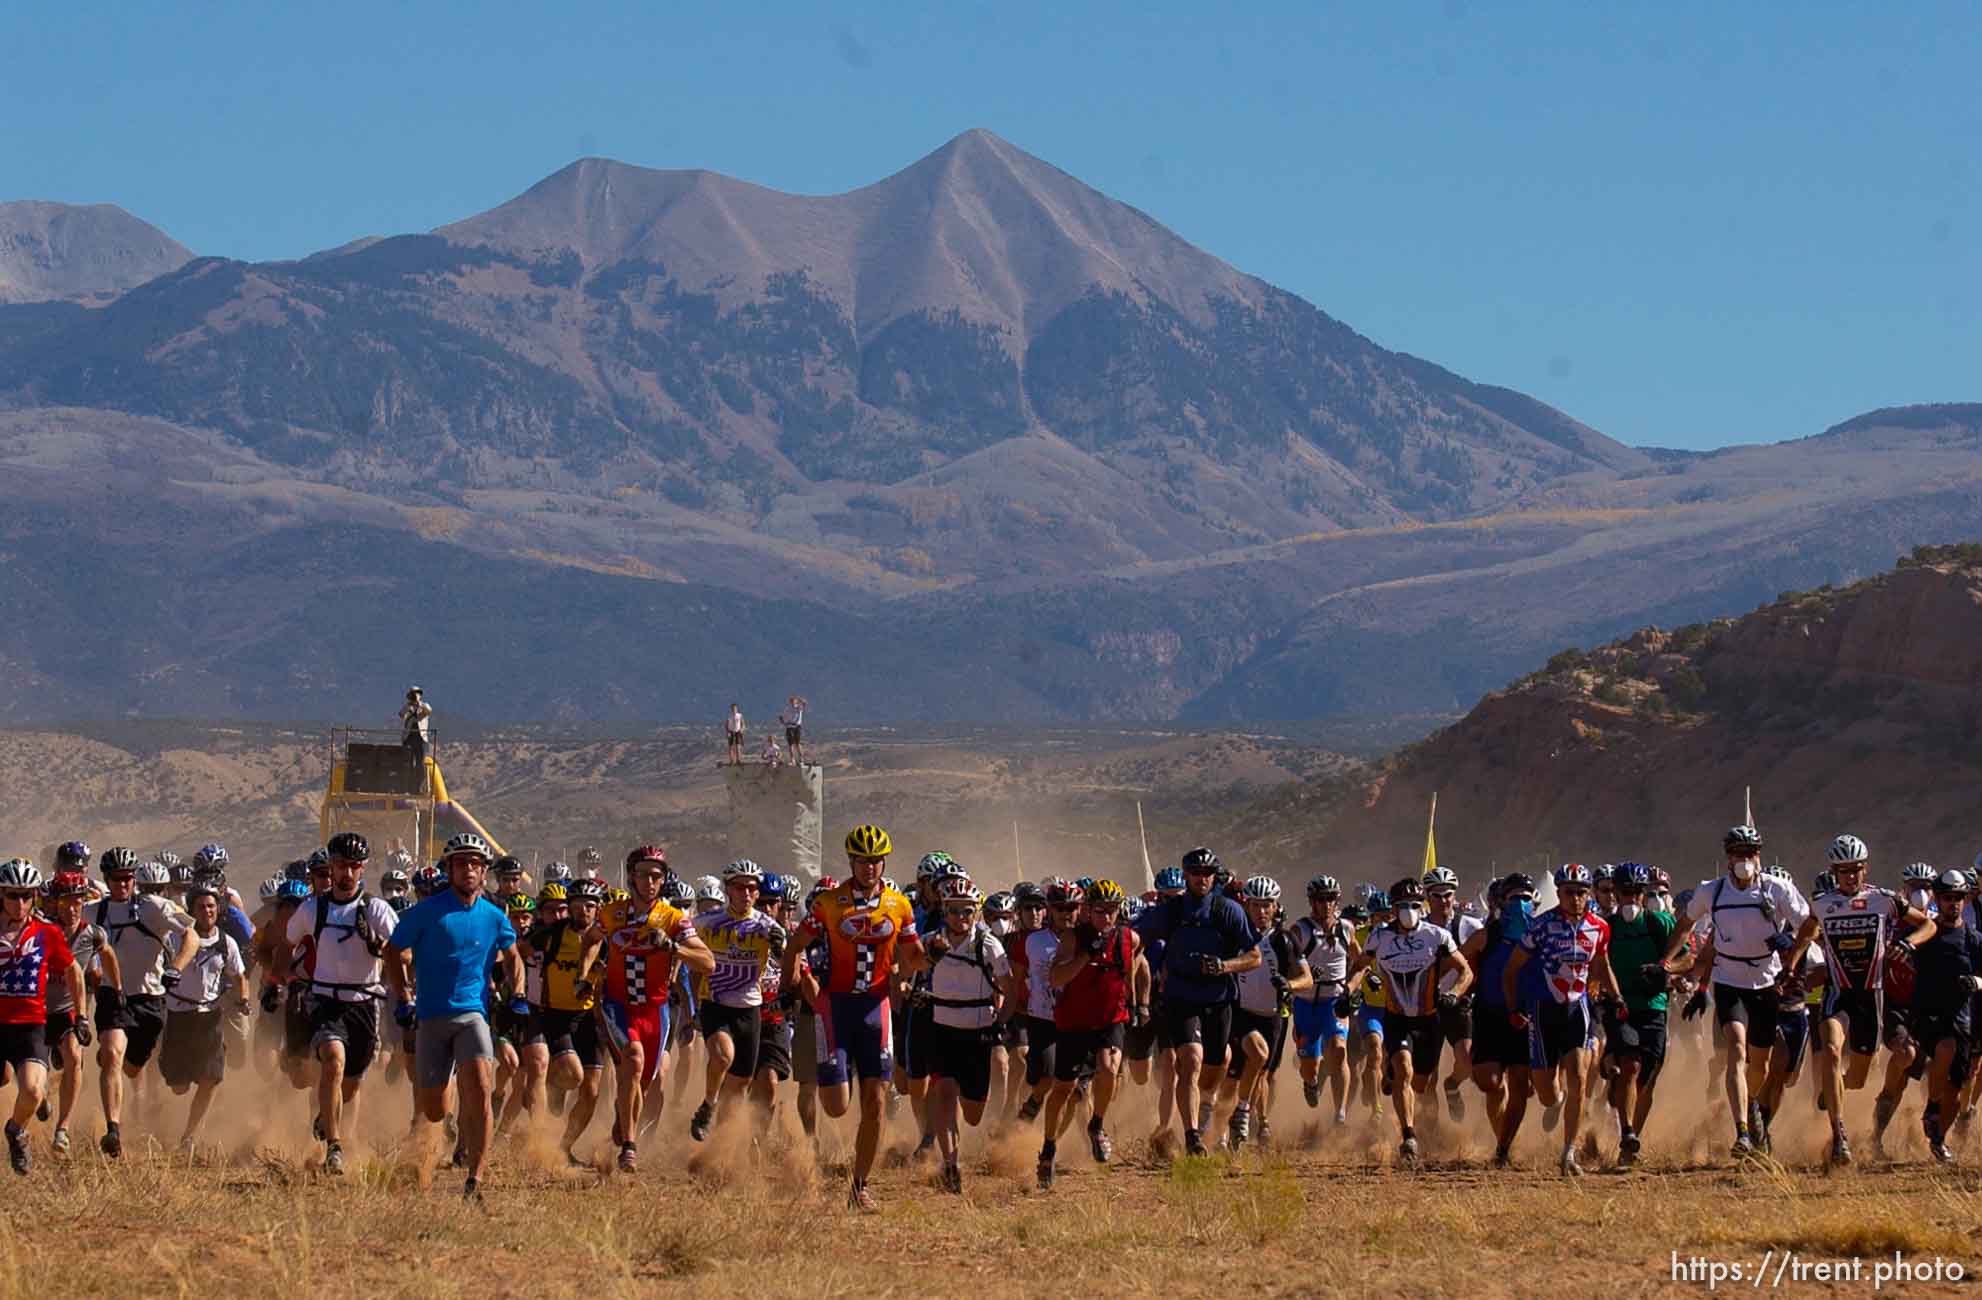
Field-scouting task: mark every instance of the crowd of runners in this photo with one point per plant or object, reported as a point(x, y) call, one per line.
point(498, 1002)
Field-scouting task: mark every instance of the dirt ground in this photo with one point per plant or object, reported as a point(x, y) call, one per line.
point(1319, 1211)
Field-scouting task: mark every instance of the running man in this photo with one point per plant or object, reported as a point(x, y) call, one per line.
point(69, 1028)
point(193, 1055)
point(343, 933)
point(1634, 1034)
point(1455, 1022)
point(1412, 955)
point(744, 942)
point(448, 944)
point(1947, 977)
point(870, 929)
point(562, 1046)
point(1570, 944)
point(968, 967)
point(130, 1020)
point(1500, 1048)
point(1326, 941)
point(32, 953)
point(1259, 1024)
point(1099, 976)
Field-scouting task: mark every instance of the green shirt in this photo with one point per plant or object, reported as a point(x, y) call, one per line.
point(1632, 945)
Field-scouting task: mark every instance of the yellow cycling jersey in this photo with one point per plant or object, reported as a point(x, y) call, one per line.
point(1375, 996)
point(560, 945)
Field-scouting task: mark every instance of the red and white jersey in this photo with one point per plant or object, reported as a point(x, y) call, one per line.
point(1565, 949)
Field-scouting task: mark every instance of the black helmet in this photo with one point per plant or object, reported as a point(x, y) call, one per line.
point(1200, 858)
point(1516, 881)
point(506, 865)
point(350, 846)
point(119, 860)
point(297, 869)
point(1410, 889)
point(1742, 839)
point(1025, 893)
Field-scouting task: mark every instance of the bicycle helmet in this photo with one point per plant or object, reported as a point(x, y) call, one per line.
point(1918, 873)
point(743, 869)
point(931, 865)
point(166, 858)
point(1408, 890)
point(1324, 887)
point(298, 869)
point(1952, 881)
point(553, 892)
point(506, 865)
point(1027, 894)
point(959, 889)
point(1170, 880)
point(1107, 891)
point(1742, 839)
point(1200, 859)
point(888, 885)
point(952, 870)
point(824, 885)
point(590, 857)
point(292, 891)
point(586, 890)
point(791, 885)
point(708, 888)
point(1602, 872)
point(152, 876)
point(1262, 889)
point(646, 853)
point(1355, 914)
point(772, 889)
point(19, 873)
point(678, 892)
point(74, 854)
point(180, 873)
point(558, 871)
point(868, 842)
point(1825, 883)
point(209, 855)
point(427, 882)
point(68, 884)
point(1847, 850)
point(394, 879)
point(519, 902)
point(468, 842)
point(399, 860)
point(1000, 904)
point(119, 861)
point(1516, 881)
point(320, 858)
point(1441, 878)
point(1573, 873)
point(1132, 911)
point(1634, 875)
point(619, 895)
point(1060, 893)
point(1661, 878)
point(270, 888)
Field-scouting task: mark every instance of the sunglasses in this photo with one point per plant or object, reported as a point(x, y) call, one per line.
point(1200, 871)
point(23, 894)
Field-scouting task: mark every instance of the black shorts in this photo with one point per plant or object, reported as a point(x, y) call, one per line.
point(1273, 1029)
point(1040, 1036)
point(1793, 1036)
point(774, 1048)
point(744, 1026)
point(917, 1056)
point(1863, 1014)
point(1495, 1042)
point(57, 1026)
point(142, 1018)
point(964, 1057)
point(354, 1024)
point(20, 1044)
point(805, 1046)
point(1932, 1032)
point(506, 1026)
point(567, 1033)
point(1755, 1008)
point(1012, 1034)
point(1419, 1035)
point(734, 737)
point(1556, 1029)
point(1456, 1023)
point(1078, 1052)
point(1193, 1023)
point(794, 735)
point(1638, 1036)
point(194, 1049)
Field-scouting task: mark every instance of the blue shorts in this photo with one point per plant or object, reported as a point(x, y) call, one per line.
point(856, 1038)
point(1315, 1024)
point(1369, 1021)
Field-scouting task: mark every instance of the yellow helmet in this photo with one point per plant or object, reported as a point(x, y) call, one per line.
point(1106, 891)
point(552, 893)
point(868, 842)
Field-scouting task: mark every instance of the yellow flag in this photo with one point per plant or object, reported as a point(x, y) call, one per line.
point(1431, 835)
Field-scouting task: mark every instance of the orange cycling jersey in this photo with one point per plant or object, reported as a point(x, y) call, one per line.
point(638, 969)
point(861, 934)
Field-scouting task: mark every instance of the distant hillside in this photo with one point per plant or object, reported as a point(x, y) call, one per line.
point(71, 253)
point(1846, 709)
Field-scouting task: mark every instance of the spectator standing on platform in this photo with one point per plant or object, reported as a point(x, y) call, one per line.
point(414, 716)
point(733, 729)
point(771, 755)
point(794, 719)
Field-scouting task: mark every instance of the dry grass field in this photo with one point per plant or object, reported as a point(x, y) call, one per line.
point(1322, 1212)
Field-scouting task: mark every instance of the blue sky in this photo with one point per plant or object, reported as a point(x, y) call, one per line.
point(1686, 225)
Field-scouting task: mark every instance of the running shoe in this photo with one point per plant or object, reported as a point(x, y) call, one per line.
point(1627, 1149)
point(112, 1143)
point(1568, 1165)
point(1098, 1143)
point(333, 1159)
point(629, 1159)
point(1407, 1151)
point(953, 1180)
point(1240, 1126)
point(1840, 1150)
point(17, 1148)
point(1455, 1106)
point(1193, 1142)
point(1045, 1170)
point(1311, 1093)
point(1029, 1110)
point(1742, 1148)
point(60, 1142)
point(471, 1191)
point(698, 1126)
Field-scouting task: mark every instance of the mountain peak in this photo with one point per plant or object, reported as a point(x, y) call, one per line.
point(87, 253)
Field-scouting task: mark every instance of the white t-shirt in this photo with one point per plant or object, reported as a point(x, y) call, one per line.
point(1040, 995)
point(735, 725)
point(968, 972)
point(215, 970)
point(139, 928)
point(1464, 926)
point(416, 716)
point(1740, 923)
point(1405, 957)
point(343, 960)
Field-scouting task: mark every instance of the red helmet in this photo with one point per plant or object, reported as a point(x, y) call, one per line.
point(647, 853)
point(68, 884)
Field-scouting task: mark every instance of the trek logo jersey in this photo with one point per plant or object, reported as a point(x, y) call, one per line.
point(1855, 928)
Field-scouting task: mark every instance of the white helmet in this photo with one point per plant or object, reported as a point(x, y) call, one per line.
point(557, 871)
point(19, 873)
point(468, 842)
point(708, 887)
point(1918, 873)
point(270, 887)
point(155, 874)
point(743, 869)
point(1846, 850)
point(1263, 889)
point(1441, 878)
